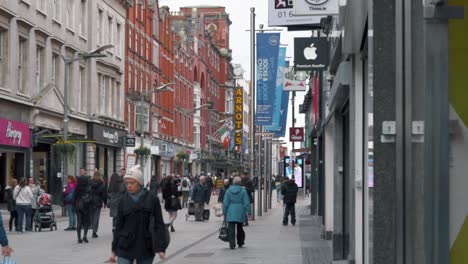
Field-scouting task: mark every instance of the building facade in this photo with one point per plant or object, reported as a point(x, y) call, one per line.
point(35, 37)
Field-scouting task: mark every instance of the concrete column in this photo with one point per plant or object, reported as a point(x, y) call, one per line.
point(330, 169)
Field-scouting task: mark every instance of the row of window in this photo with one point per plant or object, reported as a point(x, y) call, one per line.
point(110, 31)
point(138, 42)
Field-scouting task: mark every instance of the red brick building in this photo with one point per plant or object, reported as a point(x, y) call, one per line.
point(203, 34)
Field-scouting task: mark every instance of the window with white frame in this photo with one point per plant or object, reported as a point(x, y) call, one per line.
point(83, 12)
point(81, 104)
point(136, 41)
point(100, 27)
point(109, 30)
point(55, 68)
point(155, 54)
point(130, 76)
point(156, 28)
point(139, 110)
point(22, 64)
point(136, 80)
point(155, 125)
point(130, 40)
point(39, 68)
point(70, 14)
point(102, 89)
point(3, 56)
point(109, 99)
point(56, 9)
point(41, 5)
point(118, 43)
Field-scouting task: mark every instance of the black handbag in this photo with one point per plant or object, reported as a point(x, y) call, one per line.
point(175, 203)
point(223, 232)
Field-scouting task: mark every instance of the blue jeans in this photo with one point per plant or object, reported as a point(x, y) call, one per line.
point(23, 210)
point(71, 215)
point(148, 260)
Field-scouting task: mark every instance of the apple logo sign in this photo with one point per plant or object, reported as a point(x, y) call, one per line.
point(310, 53)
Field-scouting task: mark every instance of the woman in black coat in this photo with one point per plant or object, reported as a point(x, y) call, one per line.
point(99, 194)
point(171, 196)
point(82, 204)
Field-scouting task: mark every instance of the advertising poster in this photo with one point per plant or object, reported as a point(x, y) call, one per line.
point(267, 63)
point(294, 168)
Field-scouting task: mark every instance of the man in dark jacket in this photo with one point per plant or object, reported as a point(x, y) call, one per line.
point(200, 196)
point(139, 211)
point(249, 187)
point(289, 192)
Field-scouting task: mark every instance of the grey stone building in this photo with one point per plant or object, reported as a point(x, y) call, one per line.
point(35, 37)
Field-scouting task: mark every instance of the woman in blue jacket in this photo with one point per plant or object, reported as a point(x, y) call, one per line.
point(236, 209)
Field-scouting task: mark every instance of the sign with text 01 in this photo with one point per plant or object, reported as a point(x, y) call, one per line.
point(239, 115)
point(296, 134)
point(281, 13)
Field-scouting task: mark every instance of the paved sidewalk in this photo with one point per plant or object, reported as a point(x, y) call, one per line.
point(193, 242)
point(267, 241)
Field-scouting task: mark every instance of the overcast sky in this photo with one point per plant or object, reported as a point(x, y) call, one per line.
point(239, 13)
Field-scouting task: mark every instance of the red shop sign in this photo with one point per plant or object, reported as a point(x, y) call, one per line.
point(14, 134)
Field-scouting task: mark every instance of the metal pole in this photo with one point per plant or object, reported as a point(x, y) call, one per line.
point(270, 172)
point(260, 172)
point(141, 131)
point(65, 116)
point(209, 142)
point(265, 174)
point(252, 98)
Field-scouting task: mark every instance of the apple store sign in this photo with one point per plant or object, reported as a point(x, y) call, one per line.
point(310, 54)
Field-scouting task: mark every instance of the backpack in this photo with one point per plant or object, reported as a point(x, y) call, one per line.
point(184, 183)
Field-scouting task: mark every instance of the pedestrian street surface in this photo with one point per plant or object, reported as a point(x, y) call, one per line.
point(267, 241)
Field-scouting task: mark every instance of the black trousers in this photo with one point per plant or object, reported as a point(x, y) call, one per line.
point(83, 221)
point(232, 234)
point(289, 208)
point(13, 217)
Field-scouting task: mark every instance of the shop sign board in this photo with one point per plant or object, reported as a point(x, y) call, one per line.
point(281, 13)
point(107, 135)
point(15, 134)
point(315, 7)
point(239, 116)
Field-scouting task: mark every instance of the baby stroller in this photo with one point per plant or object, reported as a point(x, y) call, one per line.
point(44, 217)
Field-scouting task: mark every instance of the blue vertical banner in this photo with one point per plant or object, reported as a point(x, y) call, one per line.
point(275, 126)
point(267, 63)
point(283, 114)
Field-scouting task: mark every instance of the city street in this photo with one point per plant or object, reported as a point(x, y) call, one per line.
point(267, 241)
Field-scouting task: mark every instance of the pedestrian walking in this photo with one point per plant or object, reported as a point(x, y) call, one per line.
point(236, 208)
point(289, 192)
point(116, 190)
point(68, 200)
point(171, 198)
point(99, 199)
point(6, 249)
point(278, 184)
point(82, 204)
point(222, 192)
point(23, 197)
point(185, 186)
point(36, 191)
point(210, 183)
point(200, 197)
point(139, 211)
point(249, 187)
point(153, 184)
point(11, 204)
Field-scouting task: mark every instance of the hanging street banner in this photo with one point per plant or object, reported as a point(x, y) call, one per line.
point(278, 91)
point(290, 83)
point(267, 63)
point(315, 7)
point(283, 115)
point(310, 54)
point(281, 13)
point(239, 116)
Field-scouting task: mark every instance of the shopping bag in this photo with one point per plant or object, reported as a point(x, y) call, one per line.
point(206, 214)
point(223, 232)
point(218, 210)
point(8, 260)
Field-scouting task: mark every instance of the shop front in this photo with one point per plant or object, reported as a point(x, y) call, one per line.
point(166, 156)
point(15, 143)
point(108, 149)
